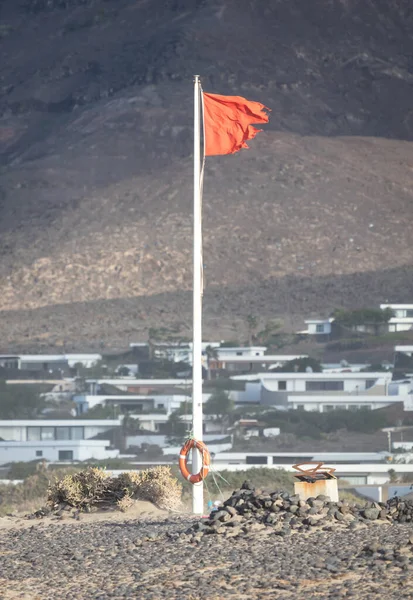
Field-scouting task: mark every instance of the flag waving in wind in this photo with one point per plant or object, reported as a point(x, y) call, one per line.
point(228, 122)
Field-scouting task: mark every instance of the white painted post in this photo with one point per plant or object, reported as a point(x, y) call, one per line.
point(198, 489)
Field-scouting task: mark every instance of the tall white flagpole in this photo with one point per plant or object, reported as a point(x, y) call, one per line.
point(197, 489)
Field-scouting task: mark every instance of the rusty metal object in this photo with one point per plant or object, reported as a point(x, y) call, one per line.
point(313, 473)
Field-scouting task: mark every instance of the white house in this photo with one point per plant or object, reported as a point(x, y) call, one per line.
point(326, 382)
point(278, 388)
point(249, 362)
point(317, 327)
point(138, 403)
point(245, 351)
point(55, 440)
point(356, 468)
point(225, 459)
point(327, 403)
point(176, 351)
point(139, 386)
point(47, 362)
point(403, 316)
point(344, 367)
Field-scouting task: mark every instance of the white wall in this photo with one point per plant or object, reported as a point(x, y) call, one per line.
point(296, 382)
point(321, 403)
point(227, 353)
point(13, 433)
point(213, 448)
point(16, 430)
point(400, 325)
point(82, 450)
point(167, 402)
point(160, 440)
point(312, 328)
point(251, 394)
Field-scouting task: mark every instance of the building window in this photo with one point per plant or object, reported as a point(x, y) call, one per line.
point(65, 454)
point(282, 386)
point(39, 453)
point(328, 407)
point(239, 354)
point(33, 434)
point(256, 460)
point(63, 433)
point(77, 433)
point(370, 383)
point(324, 386)
point(354, 480)
point(409, 313)
point(319, 328)
point(47, 434)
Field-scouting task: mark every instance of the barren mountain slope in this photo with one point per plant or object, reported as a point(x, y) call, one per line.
point(95, 138)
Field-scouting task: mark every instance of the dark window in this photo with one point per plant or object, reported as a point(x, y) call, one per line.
point(39, 453)
point(409, 313)
point(63, 433)
point(256, 460)
point(77, 433)
point(319, 328)
point(324, 386)
point(239, 354)
point(65, 454)
point(282, 386)
point(370, 383)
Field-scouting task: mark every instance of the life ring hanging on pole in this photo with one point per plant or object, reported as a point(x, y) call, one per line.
point(183, 457)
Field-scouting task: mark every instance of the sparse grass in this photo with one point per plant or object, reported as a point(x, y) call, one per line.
point(94, 487)
point(31, 494)
point(225, 481)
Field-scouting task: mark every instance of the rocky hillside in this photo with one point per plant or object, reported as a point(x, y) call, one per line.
point(95, 143)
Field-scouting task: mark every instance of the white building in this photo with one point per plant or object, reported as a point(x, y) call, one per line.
point(176, 352)
point(55, 440)
point(403, 316)
point(47, 362)
point(282, 390)
point(137, 403)
point(344, 367)
point(356, 468)
point(317, 327)
point(139, 386)
point(327, 403)
point(246, 351)
point(238, 362)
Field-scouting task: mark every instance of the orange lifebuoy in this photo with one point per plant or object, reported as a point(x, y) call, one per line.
point(183, 457)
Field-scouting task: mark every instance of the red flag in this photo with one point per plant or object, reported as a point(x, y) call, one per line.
point(228, 123)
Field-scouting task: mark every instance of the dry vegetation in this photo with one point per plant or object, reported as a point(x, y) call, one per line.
point(94, 487)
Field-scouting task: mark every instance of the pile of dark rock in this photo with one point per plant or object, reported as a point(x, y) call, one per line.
point(249, 511)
